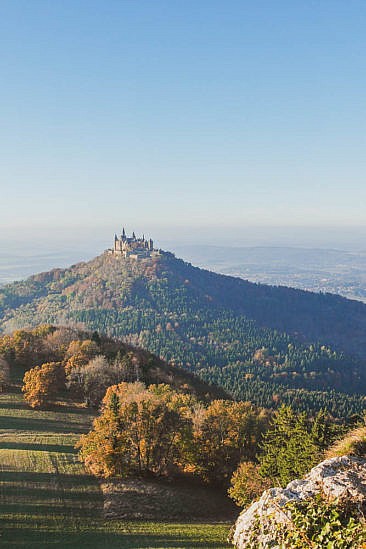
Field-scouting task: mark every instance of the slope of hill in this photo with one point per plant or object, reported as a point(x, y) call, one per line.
point(284, 338)
point(25, 349)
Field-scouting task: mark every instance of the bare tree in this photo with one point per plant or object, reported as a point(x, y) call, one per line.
point(95, 377)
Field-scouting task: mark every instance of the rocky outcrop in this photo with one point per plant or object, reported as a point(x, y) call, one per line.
point(339, 477)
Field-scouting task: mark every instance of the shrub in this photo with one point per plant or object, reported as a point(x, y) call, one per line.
point(319, 524)
point(247, 484)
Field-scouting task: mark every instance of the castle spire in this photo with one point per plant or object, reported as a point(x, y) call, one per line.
point(123, 233)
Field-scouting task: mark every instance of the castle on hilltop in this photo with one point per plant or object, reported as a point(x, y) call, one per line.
point(130, 246)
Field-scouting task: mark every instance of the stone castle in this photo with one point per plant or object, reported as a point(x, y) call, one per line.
point(135, 248)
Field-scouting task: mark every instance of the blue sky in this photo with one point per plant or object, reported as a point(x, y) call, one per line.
point(182, 113)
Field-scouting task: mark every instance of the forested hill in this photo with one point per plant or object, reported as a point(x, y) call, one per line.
point(274, 338)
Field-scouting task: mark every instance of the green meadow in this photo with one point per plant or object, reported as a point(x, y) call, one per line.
point(47, 499)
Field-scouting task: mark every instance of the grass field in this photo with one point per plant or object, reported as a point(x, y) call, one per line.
point(47, 500)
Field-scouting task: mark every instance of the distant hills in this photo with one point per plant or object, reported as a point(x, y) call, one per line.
point(265, 343)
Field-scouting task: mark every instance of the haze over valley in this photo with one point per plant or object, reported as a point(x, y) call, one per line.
point(302, 259)
point(316, 270)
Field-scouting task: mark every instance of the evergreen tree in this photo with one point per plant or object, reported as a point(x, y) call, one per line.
point(114, 404)
point(321, 431)
point(301, 451)
point(291, 446)
point(275, 443)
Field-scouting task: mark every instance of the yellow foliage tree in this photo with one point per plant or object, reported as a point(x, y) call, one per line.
point(227, 433)
point(247, 484)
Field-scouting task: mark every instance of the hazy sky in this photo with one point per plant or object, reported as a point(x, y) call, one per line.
point(165, 112)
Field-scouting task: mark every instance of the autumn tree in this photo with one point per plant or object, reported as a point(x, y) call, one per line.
point(42, 383)
point(79, 353)
point(93, 379)
point(227, 433)
point(140, 431)
point(26, 346)
point(58, 341)
point(247, 484)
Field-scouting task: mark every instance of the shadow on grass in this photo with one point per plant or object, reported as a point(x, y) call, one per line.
point(52, 506)
point(59, 448)
point(24, 493)
point(41, 424)
point(99, 540)
point(70, 481)
point(67, 407)
point(15, 405)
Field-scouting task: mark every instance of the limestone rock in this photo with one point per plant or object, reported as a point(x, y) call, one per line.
point(339, 477)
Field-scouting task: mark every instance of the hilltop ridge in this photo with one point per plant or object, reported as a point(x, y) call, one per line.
point(217, 325)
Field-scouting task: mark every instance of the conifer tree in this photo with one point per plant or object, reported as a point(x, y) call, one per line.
point(291, 446)
point(275, 442)
point(321, 431)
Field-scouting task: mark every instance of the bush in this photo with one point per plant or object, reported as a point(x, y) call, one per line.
point(247, 484)
point(319, 524)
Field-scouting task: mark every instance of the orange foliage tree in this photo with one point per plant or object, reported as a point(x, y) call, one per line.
point(157, 430)
point(79, 353)
point(41, 384)
point(140, 431)
point(227, 433)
